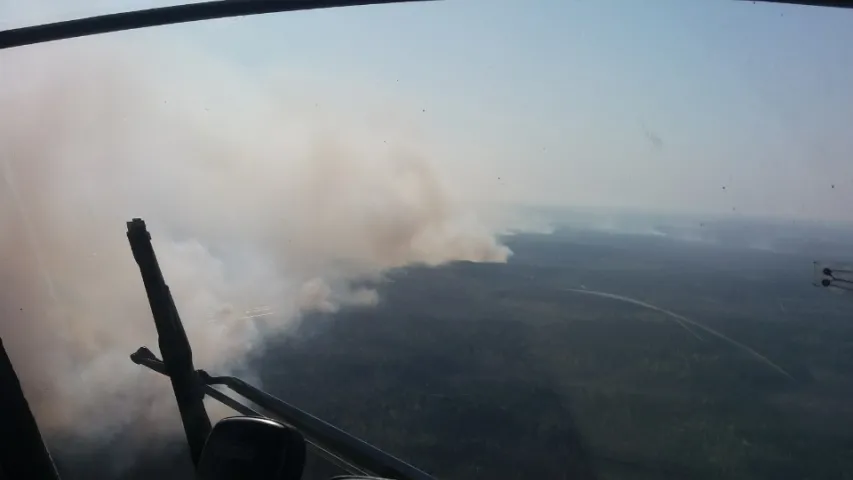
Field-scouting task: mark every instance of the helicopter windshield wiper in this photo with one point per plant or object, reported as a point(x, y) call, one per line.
point(153, 17)
point(190, 386)
point(834, 277)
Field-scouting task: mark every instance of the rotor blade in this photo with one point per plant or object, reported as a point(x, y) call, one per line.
point(153, 17)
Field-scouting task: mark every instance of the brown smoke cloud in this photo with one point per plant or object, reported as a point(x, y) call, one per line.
point(251, 197)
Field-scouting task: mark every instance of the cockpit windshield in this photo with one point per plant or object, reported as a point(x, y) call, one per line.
point(498, 239)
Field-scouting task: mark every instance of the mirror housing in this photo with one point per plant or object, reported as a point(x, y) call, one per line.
point(252, 448)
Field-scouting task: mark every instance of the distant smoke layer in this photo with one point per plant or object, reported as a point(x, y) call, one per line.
point(250, 200)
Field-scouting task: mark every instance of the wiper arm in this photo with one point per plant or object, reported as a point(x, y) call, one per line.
point(336, 446)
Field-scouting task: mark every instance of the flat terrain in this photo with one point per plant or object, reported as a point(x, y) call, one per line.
point(502, 371)
point(476, 370)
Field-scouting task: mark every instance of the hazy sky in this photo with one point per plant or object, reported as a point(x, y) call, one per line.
point(653, 104)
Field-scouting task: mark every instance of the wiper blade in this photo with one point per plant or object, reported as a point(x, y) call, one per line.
point(153, 17)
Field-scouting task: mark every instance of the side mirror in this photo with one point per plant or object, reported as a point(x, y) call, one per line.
point(252, 448)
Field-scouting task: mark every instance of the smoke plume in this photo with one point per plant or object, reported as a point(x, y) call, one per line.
point(252, 199)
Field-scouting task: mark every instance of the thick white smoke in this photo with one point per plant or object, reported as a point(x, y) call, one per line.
point(252, 199)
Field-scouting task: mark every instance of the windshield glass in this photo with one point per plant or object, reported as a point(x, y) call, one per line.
point(496, 239)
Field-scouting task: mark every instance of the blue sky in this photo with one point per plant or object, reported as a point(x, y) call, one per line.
point(562, 102)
